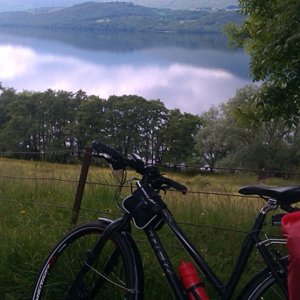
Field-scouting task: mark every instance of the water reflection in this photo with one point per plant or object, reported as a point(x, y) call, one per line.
point(188, 76)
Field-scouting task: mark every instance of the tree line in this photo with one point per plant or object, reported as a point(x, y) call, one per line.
point(52, 120)
point(235, 134)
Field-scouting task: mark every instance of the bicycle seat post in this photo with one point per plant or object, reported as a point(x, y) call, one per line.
point(272, 205)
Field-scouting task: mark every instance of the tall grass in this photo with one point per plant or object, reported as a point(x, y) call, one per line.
point(35, 212)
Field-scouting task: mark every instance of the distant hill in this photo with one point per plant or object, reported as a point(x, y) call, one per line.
point(17, 5)
point(121, 16)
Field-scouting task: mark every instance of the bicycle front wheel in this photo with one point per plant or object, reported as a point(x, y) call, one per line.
point(115, 274)
point(264, 285)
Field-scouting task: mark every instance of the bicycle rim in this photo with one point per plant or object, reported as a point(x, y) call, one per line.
point(265, 287)
point(111, 276)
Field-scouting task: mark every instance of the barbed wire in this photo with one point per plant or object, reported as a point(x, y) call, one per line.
point(117, 186)
point(38, 178)
point(172, 166)
point(47, 152)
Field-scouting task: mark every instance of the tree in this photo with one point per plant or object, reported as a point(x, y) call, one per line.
point(235, 134)
point(90, 121)
point(36, 121)
point(271, 35)
point(154, 116)
point(211, 140)
point(123, 116)
point(7, 95)
point(179, 136)
point(56, 113)
point(18, 129)
point(254, 141)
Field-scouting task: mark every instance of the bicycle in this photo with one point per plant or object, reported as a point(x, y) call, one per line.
point(101, 259)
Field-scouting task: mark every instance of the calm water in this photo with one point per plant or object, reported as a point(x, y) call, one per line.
point(189, 72)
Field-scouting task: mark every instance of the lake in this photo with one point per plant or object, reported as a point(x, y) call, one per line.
point(189, 72)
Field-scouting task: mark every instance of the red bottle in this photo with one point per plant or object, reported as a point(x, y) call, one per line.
point(192, 283)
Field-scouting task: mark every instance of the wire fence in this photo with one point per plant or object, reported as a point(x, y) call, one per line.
point(105, 184)
point(179, 167)
point(75, 183)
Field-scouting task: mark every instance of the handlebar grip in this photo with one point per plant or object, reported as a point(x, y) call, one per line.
point(102, 148)
point(177, 186)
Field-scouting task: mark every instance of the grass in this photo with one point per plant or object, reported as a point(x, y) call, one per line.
point(35, 212)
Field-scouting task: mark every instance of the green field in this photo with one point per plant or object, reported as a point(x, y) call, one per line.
point(36, 199)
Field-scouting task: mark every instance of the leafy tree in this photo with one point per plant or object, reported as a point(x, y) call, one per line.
point(56, 114)
point(18, 128)
point(211, 140)
point(123, 118)
point(90, 120)
point(153, 120)
point(255, 142)
point(179, 136)
point(35, 121)
point(271, 35)
point(7, 95)
point(235, 134)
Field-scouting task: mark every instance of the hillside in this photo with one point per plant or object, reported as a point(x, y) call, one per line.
point(121, 16)
point(17, 5)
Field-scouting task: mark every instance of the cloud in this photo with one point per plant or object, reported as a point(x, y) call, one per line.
point(15, 61)
point(191, 88)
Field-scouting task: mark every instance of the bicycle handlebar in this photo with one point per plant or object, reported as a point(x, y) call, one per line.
point(116, 159)
point(102, 148)
point(118, 162)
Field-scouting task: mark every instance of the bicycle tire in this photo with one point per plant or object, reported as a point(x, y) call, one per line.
point(264, 285)
point(120, 257)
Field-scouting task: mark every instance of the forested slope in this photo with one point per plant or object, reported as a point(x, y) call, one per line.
point(122, 16)
point(14, 5)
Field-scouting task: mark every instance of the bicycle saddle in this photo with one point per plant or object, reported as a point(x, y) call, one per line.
point(285, 195)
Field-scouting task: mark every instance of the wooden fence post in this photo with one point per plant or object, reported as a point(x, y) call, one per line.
point(81, 184)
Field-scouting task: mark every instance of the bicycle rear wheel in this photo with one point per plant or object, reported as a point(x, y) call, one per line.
point(116, 274)
point(264, 285)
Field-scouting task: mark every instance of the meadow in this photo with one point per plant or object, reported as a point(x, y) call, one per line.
point(36, 199)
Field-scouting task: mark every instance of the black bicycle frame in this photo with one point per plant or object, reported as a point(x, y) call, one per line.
point(225, 291)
